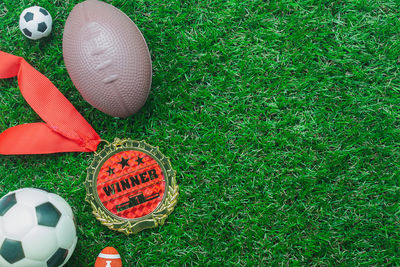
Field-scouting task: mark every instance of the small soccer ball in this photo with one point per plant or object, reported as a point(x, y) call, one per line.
point(35, 22)
point(37, 228)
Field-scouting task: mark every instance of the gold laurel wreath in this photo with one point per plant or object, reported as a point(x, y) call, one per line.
point(132, 226)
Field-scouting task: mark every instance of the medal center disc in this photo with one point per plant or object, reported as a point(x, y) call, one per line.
point(130, 184)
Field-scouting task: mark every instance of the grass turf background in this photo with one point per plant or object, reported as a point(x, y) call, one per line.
point(281, 119)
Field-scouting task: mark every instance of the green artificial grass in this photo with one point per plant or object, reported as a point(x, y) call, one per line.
point(281, 119)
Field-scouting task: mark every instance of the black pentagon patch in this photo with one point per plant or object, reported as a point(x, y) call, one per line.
point(28, 16)
point(27, 32)
point(58, 258)
point(43, 11)
point(12, 251)
point(47, 214)
point(42, 27)
point(6, 203)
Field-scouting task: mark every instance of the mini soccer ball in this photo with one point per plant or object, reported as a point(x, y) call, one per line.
point(36, 229)
point(35, 22)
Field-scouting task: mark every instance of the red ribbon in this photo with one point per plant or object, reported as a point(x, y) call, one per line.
point(64, 130)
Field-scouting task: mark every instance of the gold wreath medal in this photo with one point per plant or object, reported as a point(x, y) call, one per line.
point(131, 186)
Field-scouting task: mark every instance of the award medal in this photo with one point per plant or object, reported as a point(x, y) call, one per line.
point(130, 185)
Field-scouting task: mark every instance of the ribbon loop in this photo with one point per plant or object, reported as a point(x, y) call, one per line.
point(64, 130)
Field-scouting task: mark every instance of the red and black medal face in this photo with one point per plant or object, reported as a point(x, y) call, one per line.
point(130, 184)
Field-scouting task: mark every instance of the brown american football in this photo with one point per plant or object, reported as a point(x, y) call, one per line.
point(107, 58)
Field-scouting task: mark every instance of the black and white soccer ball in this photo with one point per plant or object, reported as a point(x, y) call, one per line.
point(37, 229)
point(35, 22)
